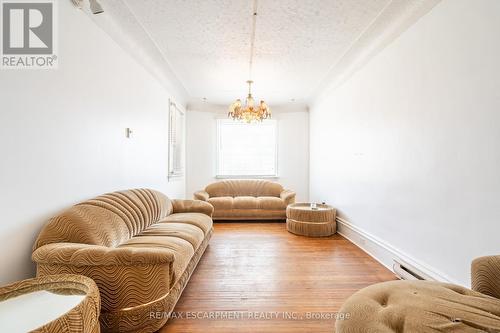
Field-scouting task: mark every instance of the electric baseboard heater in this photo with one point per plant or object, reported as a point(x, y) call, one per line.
point(406, 271)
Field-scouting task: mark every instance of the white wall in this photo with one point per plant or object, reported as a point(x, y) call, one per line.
point(407, 148)
point(293, 149)
point(62, 135)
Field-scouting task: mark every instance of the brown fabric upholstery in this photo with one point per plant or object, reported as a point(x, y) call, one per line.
point(244, 187)
point(486, 275)
point(288, 197)
point(271, 203)
point(201, 195)
point(122, 284)
point(200, 220)
point(138, 319)
point(182, 249)
point(126, 214)
point(245, 202)
point(132, 244)
point(94, 255)
point(249, 215)
point(302, 220)
point(247, 199)
point(425, 306)
point(191, 233)
point(192, 206)
point(221, 203)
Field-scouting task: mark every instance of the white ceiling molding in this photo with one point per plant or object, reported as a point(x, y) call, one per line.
point(123, 27)
point(396, 18)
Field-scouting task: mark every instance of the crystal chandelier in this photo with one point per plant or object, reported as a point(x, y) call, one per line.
point(250, 112)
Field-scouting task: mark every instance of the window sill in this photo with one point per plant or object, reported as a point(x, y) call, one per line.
point(246, 177)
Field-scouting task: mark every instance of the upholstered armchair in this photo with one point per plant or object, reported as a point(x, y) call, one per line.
point(485, 273)
point(427, 306)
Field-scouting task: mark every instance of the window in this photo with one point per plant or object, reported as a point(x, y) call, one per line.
point(175, 142)
point(246, 150)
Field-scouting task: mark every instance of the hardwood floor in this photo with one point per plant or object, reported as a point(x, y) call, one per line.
point(264, 279)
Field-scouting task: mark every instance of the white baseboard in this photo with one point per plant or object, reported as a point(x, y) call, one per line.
point(383, 252)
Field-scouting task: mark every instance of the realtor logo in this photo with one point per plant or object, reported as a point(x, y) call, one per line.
point(28, 34)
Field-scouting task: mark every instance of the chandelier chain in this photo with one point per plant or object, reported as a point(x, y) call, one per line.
point(250, 111)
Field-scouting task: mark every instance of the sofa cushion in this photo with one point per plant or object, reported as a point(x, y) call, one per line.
point(419, 306)
point(183, 251)
point(202, 221)
point(221, 202)
point(271, 203)
point(189, 232)
point(244, 187)
point(250, 214)
point(245, 202)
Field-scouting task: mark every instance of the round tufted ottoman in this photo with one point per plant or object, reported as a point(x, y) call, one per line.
point(419, 306)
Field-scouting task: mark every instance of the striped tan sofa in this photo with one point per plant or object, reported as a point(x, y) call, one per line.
point(139, 247)
point(247, 199)
point(426, 306)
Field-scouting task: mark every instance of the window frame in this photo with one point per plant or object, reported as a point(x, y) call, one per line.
point(217, 151)
point(176, 118)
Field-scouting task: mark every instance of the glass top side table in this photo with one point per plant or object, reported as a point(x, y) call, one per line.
point(53, 303)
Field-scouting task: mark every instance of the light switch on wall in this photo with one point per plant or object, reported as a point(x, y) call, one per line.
point(128, 133)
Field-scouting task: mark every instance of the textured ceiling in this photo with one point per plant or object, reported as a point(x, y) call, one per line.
point(298, 42)
point(304, 48)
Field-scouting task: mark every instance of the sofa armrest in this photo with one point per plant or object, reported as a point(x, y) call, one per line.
point(126, 277)
point(201, 195)
point(486, 275)
point(288, 196)
point(192, 206)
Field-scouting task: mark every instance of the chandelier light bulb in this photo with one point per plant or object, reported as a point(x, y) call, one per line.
point(249, 113)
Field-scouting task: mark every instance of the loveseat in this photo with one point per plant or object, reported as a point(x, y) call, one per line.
point(247, 199)
point(139, 247)
point(426, 306)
